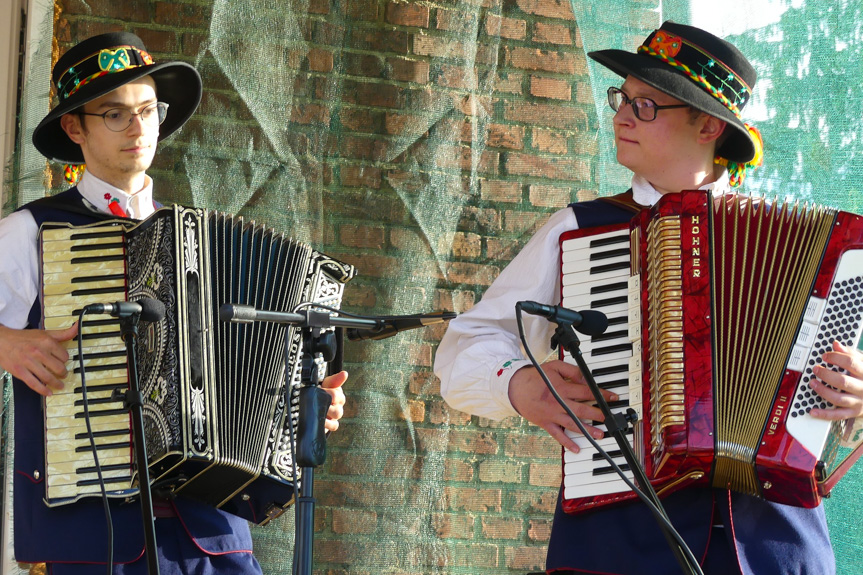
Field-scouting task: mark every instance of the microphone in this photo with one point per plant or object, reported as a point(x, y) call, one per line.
point(391, 325)
point(150, 309)
point(588, 322)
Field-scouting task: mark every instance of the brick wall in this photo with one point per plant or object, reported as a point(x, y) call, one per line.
point(433, 137)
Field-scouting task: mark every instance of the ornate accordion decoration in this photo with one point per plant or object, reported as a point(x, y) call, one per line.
point(719, 307)
point(216, 394)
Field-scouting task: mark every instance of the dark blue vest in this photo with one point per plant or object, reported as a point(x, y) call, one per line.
point(768, 538)
point(78, 532)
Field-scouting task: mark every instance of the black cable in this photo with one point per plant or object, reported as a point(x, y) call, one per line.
point(110, 524)
point(657, 511)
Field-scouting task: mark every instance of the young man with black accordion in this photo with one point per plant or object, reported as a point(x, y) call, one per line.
point(115, 105)
point(677, 126)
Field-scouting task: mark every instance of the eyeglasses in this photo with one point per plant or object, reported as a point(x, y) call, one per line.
point(644, 108)
point(118, 119)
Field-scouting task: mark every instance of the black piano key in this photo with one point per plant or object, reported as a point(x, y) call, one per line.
point(104, 433)
point(610, 335)
point(610, 370)
point(611, 349)
point(608, 469)
point(94, 259)
point(103, 446)
point(96, 247)
point(85, 482)
point(601, 303)
point(613, 383)
point(613, 453)
point(101, 413)
point(121, 290)
point(619, 253)
point(91, 388)
point(605, 288)
point(92, 468)
point(609, 241)
point(609, 268)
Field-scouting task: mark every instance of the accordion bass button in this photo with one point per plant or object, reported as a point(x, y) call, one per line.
point(767, 485)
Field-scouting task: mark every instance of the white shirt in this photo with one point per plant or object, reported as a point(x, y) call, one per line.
point(481, 349)
point(19, 253)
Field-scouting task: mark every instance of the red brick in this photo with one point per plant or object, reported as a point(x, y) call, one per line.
point(472, 499)
point(511, 28)
point(452, 526)
point(501, 527)
point(554, 88)
point(177, 15)
point(548, 33)
point(545, 475)
point(456, 21)
point(354, 521)
point(310, 114)
point(320, 60)
point(553, 168)
point(505, 136)
point(525, 558)
point(550, 115)
point(438, 47)
point(561, 9)
point(549, 141)
point(495, 471)
point(539, 530)
point(549, 196)
point(405, 70)
point(360, 176)
point(407, 14)
point(537, 59)
point(360, 236)
point(500, 191)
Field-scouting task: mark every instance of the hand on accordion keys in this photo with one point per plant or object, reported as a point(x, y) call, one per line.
point(36, 356)
point(532, 400)
point(843, 390)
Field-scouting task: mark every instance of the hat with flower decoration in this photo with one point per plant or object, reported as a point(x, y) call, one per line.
point(699, 69)
point(101, 64)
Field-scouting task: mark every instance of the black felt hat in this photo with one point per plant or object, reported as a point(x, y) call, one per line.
point(101, 64)
point(698, 69)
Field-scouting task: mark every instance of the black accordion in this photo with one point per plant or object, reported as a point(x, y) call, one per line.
point(218, 397)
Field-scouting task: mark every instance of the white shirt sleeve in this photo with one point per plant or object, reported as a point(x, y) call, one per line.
point(481, 349)
point(19, 277)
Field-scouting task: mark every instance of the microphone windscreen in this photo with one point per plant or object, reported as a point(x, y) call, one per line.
point(152, 310)
point(593, 322)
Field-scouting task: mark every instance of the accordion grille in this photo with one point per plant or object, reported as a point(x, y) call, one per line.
point(758, 297)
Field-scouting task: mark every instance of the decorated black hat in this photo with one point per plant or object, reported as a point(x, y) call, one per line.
point(101, 64)
point(701, 70)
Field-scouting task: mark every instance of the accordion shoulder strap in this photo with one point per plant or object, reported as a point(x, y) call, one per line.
point(615, 209)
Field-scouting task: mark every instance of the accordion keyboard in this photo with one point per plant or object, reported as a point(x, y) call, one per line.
point(596, 275)
point(81, 267)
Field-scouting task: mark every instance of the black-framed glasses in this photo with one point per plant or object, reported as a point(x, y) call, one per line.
point(644, 108)
point(118, 119)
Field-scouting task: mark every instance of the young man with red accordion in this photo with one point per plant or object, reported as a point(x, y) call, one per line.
point(677, 127)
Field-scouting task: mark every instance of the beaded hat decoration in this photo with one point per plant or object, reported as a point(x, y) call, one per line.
point(703, 71)
point(101, 64)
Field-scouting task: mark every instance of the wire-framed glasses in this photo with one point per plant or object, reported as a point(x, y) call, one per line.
point(644, 108)
point(118, 119)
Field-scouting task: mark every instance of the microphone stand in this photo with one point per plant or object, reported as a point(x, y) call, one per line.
point(311, 448)
point(134, 401)
point(617, 425)
point(318, 348)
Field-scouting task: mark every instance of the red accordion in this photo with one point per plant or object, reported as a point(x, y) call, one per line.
point(718, 309)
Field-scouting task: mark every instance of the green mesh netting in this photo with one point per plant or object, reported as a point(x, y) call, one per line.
point(423, 142)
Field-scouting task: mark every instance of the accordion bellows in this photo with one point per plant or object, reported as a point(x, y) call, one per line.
point(218, 396)
point(726, 303)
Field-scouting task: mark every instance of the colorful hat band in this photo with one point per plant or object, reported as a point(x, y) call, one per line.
point(707, 72)
point(107, 61)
